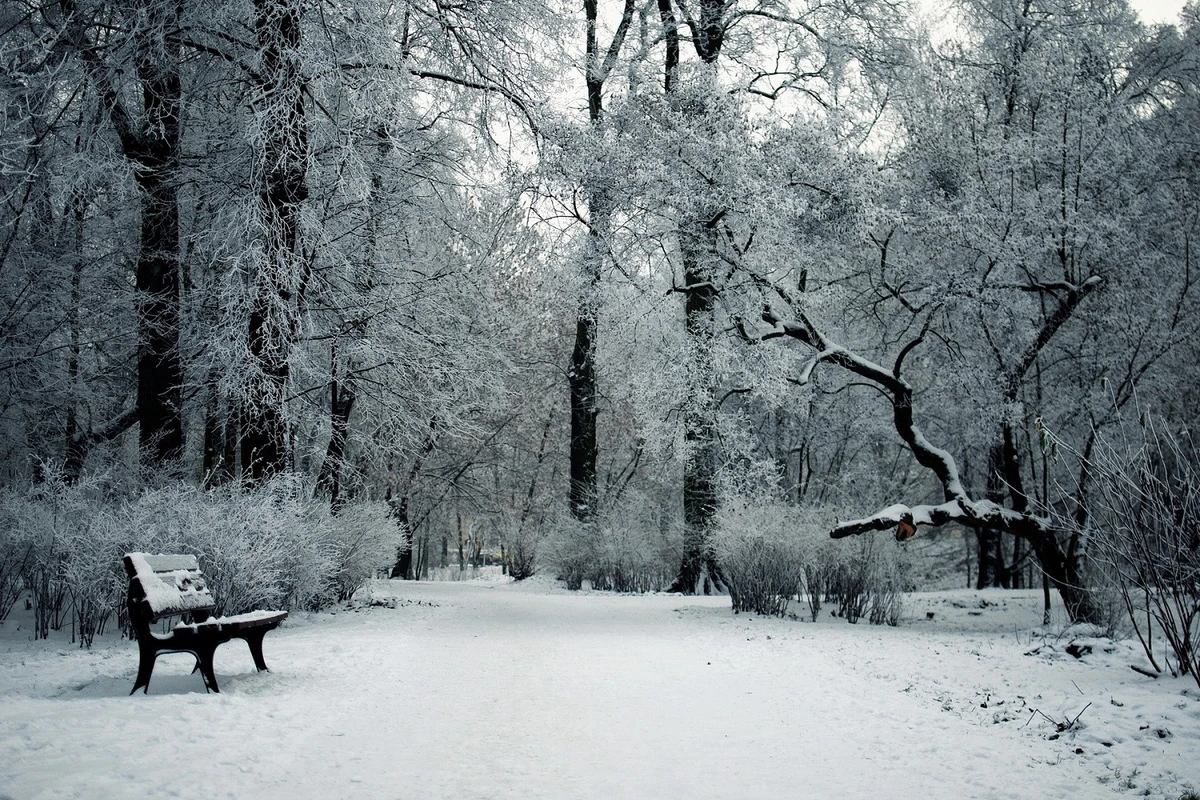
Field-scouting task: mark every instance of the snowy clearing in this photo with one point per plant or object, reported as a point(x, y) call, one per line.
point(486, 690)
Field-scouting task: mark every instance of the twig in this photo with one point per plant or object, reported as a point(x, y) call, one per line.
point(1077, 716)
point(1144, 671)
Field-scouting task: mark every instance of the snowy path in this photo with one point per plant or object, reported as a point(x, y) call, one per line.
point(498, 692)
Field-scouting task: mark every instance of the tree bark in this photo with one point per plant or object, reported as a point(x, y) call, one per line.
point(581, 376)
point(283, 188)
point(152, 148)
point(698, 245)
point(698, 570)
point(583, 493)
point(341, 403)
point(160, 371)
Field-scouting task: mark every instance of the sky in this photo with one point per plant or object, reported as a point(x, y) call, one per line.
point(1153, 11)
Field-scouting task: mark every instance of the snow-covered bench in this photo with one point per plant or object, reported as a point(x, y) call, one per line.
point(163, 586)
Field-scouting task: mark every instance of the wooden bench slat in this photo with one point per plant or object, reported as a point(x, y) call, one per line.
point(176, 590)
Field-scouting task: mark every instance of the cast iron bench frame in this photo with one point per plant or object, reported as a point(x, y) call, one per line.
point(162, 586)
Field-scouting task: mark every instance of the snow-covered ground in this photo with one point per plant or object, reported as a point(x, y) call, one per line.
point(488, 690)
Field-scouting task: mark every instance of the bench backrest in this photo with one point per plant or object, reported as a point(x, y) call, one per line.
point(166, 585)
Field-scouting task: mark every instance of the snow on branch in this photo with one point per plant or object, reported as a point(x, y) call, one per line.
point(972, 514)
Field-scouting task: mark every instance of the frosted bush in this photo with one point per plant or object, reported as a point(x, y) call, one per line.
point(771, 551)
point(365, 538)
point(627, 550)
point(16, 550)
point(521, 543)
point(762, 554)
point(272, 547)
point(867, 576)
point(267, 548)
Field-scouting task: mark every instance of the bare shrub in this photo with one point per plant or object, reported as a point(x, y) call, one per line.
point(364, 540)
point(1141, 520)
point(866, 576)
point(771, 551)
point(762, 555)
point(630, 549)
point(521, 541)
point(16, 550)
point(268, 548)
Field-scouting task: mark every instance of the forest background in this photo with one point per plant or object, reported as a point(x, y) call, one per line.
point(645, 294)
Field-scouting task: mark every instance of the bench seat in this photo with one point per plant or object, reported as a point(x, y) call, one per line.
point(250, 619)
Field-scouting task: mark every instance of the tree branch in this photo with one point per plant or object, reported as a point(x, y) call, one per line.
point(958, 505)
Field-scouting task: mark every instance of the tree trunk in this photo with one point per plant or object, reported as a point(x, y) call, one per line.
point(74, 454)
point(398, 509)
point(992, 572)
point(583, 493)
point(1063, 571)
point(160, 371)
point(582, 375)
point(698, 570)
point(1063, 568)
point(403, 568)
point(152, 147)
point(341, 403)
point(283, 186)
point(698, 235)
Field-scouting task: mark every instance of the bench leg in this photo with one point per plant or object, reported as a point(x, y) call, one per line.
point(254, 640)
point(146, 658)
point(204, 656)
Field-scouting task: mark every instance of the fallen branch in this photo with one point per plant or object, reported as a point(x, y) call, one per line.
point(1059, 727)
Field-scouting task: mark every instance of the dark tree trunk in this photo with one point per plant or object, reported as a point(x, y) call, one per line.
point(584, 447)
point(1063, 568)
point(581, 378)
point(992, 571)
point(155, 153)
point(283, 187)
point(403, 568)
point(151, 143)
point(698, 570)
point(1004, 466)
point(583, 492)
point(987, 550)
point(698, 244)
point(74, 452)
point(341, 403)
point(160, 373)
point(461, 558)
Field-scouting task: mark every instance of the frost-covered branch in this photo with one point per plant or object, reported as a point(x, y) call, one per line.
point(958, 506)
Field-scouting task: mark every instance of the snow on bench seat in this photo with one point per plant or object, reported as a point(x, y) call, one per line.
point(246, 620)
